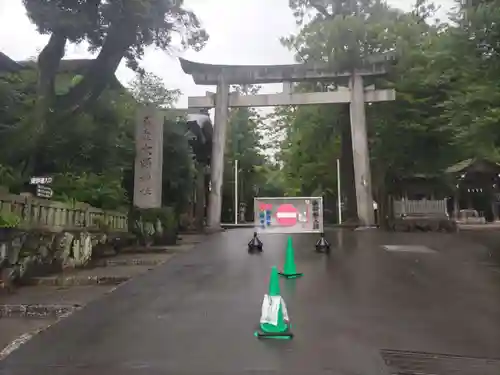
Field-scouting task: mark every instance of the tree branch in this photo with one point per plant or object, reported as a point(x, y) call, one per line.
point(321, 9)
point(97, 77)
point(48, 66)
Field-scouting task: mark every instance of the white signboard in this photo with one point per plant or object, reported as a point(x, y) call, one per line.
point(40, 180)
point(148, 158)
point(43, 191)
point(288, 215)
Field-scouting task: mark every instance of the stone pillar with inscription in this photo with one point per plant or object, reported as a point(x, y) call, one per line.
point(148, 158)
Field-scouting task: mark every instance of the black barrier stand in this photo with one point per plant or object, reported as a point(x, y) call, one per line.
point(255, 244)
point(322, 245)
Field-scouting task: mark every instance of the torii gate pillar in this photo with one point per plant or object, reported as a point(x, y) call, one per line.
point(217, 160)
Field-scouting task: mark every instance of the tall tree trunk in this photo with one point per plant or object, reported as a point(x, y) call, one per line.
point(200, 196)
point(94, 81)
point(347, 172)
point(48, 66)
point(380, 194)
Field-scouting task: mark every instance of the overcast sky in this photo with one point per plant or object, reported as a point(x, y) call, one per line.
point(241, 32)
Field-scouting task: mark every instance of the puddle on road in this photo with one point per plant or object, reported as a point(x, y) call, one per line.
point(409, 249)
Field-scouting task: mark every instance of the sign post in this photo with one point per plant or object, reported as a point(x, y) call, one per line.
point(339, 193)
point(41, 180)
point(236, 208)
point(43, 191)
point(289, 215)
point(41, 188)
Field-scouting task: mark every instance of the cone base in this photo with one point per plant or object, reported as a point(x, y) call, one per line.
point(255, 249)
point(325, 250)
point(273, 335)
point(291, 275)
point(322, 246)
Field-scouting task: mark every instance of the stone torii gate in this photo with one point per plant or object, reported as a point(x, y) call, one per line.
point(354, 93)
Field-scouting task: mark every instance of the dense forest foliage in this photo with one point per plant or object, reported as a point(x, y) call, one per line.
point(78, 125)
point(89, 154)
point(445, 73)
point(73, 120)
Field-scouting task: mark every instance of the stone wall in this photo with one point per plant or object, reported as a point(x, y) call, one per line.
point(155, 226)
point(26, 254)
point(35, 213)
point(40, 236)
point(49, 236)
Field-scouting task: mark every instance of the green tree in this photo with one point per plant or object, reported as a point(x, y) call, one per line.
point(243, 145)
point(116, 29)
point(16, 102)
point(178, 167)
point(309, 149)
point(149, 88)
point(87, 159)
point(468, 58)
point(406, 136)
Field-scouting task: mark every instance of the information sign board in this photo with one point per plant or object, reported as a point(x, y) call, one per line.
point(43, 191)
point(288, 215)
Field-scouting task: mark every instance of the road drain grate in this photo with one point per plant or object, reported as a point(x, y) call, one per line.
point(419, 363)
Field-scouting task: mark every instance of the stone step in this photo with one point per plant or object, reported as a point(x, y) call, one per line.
point(157, 249)
point(191, 239)
point(92, 276)
point(67, 281)
point(128, 262)
point(36, 310)
point(54, 295)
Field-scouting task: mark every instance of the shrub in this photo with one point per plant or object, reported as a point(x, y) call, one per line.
point(9, 220)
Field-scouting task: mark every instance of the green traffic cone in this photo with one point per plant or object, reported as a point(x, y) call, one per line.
point(281, 329)
point(274, 283)
point(290, 269)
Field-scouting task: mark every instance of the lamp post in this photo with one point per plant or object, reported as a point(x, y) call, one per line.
point(235, 190)
point(339, 196)
point(235, 141)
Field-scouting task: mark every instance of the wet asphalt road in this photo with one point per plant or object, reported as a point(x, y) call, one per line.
point(196, 314)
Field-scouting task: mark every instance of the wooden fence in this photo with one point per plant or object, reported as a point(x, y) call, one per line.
point(419, 207)
point(45, 214)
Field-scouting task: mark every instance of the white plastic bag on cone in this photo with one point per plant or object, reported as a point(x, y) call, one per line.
point(270, 308)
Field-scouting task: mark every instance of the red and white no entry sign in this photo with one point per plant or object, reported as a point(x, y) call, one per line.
point(286, 215)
